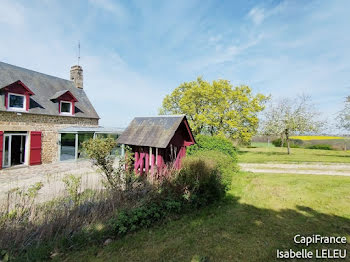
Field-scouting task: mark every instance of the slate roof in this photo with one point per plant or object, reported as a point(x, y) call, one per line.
point(44, 88)
point(151, 131)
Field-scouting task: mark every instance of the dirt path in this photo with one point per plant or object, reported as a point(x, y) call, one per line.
point(303, 168)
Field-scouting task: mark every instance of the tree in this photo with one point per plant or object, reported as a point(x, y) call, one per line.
point(217, 108)
point(119, 176)
point(343, 117)
point(290, 116)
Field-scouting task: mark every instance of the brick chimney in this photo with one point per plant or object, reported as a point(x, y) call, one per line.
point(76, 75)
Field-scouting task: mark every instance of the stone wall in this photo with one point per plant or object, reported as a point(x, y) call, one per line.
point(49, 125)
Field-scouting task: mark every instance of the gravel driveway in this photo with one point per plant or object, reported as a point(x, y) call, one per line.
point(50, 175)
point(302, 168)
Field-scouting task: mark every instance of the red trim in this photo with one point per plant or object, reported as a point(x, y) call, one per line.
point(16, 84)
point(35, 148)
point(6, 100)
point(189, 131)
point(67, 96)
point(1, 146)
point(27, 102)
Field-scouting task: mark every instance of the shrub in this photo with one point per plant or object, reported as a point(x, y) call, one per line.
point(99, 150)
point(205, 143)
point(143, 216)
point(73, 185)
point(227, 165)
point(292, 144)
point(320, 146)
point(200, 181)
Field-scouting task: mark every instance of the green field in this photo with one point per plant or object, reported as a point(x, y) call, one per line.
point(317, 137)
point(262, 212)
point(277, 154)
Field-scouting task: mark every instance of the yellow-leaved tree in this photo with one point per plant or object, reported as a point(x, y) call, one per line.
point(217, 108)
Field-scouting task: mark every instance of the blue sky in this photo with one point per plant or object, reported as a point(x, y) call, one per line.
point(135, 52)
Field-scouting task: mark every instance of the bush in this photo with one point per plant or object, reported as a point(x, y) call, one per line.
point(143, 216)
point(99, 150)
point(200, 181)
point(227, 165)
point(292, 144)
point(221, 144)
point(73, 185)
point(320, 146)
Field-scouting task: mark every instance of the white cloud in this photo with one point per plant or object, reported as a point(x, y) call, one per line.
point(257, 15)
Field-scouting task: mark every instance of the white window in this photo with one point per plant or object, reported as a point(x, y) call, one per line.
point(16, 102)
point(66, 108)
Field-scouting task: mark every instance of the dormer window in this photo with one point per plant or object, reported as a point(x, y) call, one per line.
point(66, 108)
point(66, 102)
point(17, 96)
point(16, 102)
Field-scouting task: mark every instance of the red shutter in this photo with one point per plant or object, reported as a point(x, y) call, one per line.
point(1, 145)
point(35, 148)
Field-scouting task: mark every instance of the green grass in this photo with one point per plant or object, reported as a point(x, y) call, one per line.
point(278, 154)
point(262, 212)
point(261, 144)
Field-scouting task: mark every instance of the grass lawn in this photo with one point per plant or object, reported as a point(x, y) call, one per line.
point(262, 212)
point(278, 154)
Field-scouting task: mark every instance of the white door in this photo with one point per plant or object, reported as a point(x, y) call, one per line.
point(7, 151)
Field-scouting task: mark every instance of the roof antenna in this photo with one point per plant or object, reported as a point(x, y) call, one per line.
point(78, 52)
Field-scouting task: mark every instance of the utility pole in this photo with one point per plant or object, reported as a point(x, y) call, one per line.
point(78, 52)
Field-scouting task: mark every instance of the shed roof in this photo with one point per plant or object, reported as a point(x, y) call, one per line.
point(44, 88)
point(151, 131)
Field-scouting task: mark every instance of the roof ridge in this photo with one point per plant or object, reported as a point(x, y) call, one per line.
point(37, 72)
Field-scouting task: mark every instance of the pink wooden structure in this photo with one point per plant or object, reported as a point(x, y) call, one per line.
point(157, 141)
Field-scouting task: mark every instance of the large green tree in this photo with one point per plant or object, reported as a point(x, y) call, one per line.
point(217, 108)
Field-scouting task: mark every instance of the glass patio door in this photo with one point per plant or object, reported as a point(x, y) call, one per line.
point(7, 151)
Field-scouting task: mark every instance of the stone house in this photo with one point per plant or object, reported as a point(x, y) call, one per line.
point(43, 118)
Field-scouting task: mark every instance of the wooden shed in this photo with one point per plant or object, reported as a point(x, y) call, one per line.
point(157, 141)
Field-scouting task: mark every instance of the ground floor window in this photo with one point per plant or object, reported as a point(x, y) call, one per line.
point(67, 146)
point(81, 139)
point(71, 144)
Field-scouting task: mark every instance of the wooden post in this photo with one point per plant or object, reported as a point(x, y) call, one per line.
point(123, 150)
point(136, 160)
point(152, 161)
point(146, 162)
point(156, 156)
point(141, 160)
point(160, 160)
